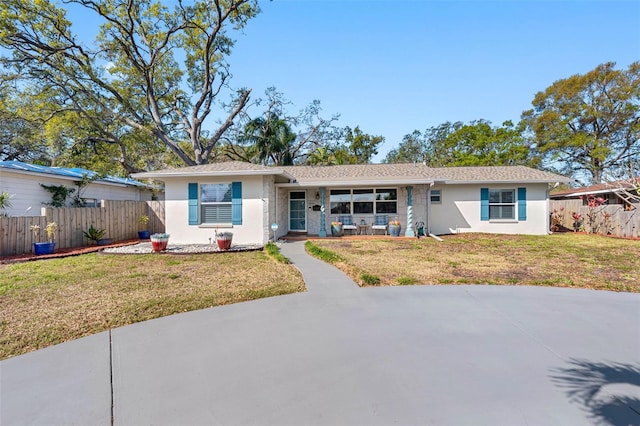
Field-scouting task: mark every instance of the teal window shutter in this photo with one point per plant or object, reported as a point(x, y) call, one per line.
point(193, 204)
point(484, 203)
point(522, 203)
point(236, 203)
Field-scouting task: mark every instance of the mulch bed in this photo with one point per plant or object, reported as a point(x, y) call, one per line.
point(66, 252)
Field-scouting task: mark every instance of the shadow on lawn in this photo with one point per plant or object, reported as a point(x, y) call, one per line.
point(609, 392)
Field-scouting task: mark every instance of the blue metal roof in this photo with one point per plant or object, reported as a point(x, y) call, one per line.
point(75, 173)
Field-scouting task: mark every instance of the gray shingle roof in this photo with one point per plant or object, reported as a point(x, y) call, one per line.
point(367, 173)
point(213, 169)
point(399, 172)
point(497, 174)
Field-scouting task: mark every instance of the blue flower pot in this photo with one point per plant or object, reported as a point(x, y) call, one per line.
point(43, 248)
point(394, 230)
point(144, 235)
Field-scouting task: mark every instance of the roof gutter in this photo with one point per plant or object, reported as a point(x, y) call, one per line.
point(490, 182)
point(353, 183)
point(161, 176)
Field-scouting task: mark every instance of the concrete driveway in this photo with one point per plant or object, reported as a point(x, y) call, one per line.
point(339, 354)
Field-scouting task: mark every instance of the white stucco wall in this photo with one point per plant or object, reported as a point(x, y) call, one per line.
point(28, 197)
point(460, 211)
point(252, 230)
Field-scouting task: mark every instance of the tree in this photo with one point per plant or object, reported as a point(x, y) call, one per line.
point(21, 139)
point(151, 71)
point(480, 144)
point(411, 149)
point(361, 147)
point(587, 125)
point(475, 144)
point(276, 136)
point(271, 141)
point(353, 147)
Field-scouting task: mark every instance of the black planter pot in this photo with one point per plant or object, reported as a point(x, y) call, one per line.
point(104, 241)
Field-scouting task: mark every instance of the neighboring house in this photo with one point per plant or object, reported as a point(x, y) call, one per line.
point(22, 181)
point(624, 192)
point(248, 198)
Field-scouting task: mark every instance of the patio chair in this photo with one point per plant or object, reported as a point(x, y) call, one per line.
point(347, 224)
point(380, 223)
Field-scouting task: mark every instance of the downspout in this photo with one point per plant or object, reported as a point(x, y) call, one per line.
point(429, 208)
point(275, 219)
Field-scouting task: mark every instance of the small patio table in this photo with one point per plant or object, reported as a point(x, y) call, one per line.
point(363, 229)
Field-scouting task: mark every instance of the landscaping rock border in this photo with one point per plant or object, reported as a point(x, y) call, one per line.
point(145, 248)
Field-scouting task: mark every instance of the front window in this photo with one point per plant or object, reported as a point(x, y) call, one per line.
point(340, 200)
point(363, 201)
point(215, 202)
point(502, 203)
point(386, 201)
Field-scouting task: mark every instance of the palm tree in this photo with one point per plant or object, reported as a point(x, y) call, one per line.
point(271, 140)
point(5, 203)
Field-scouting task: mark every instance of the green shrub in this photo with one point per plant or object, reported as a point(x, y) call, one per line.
point(94, 233)
point(370, 279)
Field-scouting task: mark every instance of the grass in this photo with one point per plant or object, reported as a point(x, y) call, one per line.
point(562, 260)
point(47, 302)
point(273, 251)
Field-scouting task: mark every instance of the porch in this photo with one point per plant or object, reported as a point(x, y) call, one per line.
point(365, 211)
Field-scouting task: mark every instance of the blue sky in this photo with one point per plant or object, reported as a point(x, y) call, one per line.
point(392, 67)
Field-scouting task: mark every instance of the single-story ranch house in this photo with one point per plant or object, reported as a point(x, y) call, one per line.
point(248, 198)
point(22, 181)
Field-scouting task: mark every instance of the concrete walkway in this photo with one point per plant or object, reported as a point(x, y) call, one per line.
point(339, 354)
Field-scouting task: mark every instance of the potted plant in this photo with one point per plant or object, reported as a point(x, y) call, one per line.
point(159, 241)
point(336, 229)
point(97, 235)
point(144, 234)
point(224, 239)
point(394, 227)
point(40, 248)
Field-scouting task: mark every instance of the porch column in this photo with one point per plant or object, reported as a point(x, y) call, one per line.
point(323, 227)
point(409, 228)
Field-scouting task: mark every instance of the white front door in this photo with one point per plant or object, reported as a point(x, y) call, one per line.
point(297, 211)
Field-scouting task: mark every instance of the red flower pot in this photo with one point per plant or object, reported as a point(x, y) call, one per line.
point(159, 245)
point(224, 244)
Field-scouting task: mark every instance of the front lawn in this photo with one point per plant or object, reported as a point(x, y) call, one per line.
point(563, 260)
point(46, 302)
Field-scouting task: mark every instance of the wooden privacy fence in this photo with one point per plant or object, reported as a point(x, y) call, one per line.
point(611, 220)
point(118, 218)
